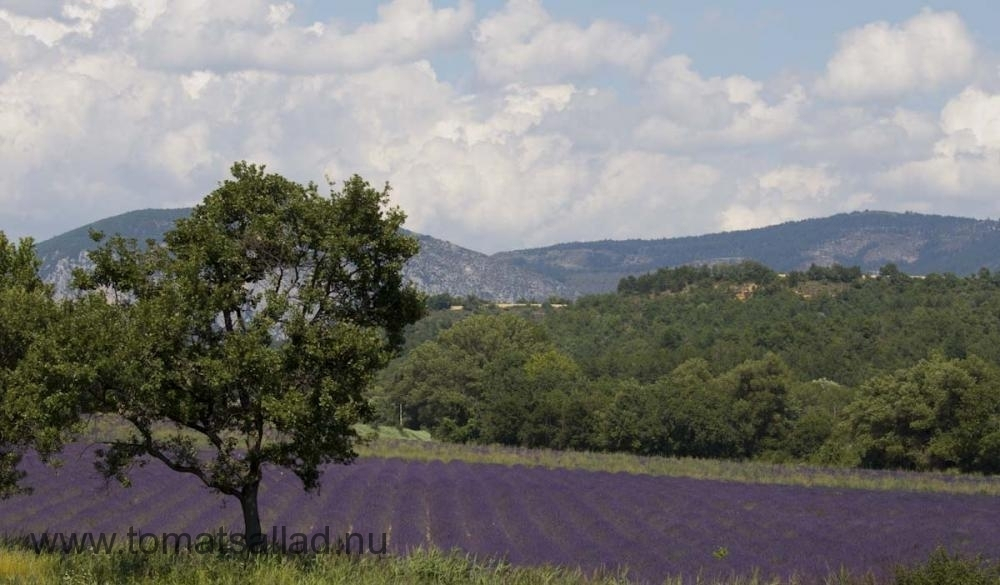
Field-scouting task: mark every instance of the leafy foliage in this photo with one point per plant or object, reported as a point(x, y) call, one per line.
point(737, 361)
point(494, 379)
point(257, 326)
point(945, 569)
point(939, 413)
point(26, 308)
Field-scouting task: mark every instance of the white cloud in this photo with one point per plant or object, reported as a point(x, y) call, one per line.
point(786, 193)
point(183, 151)
point(642, 192)
point(195, 83)
point(965, 162)
point(405, 30)
point(278, 14)
point(797, 183)
point(46, 30)
point(522, 43)
point(140, 103)
point(522, 108)
point(689, 110)
point(17, 49)
point(972, 123)
point(481, 167)
point(76, 135)
point(867, 138)
point(252, 34)
point(881, 60)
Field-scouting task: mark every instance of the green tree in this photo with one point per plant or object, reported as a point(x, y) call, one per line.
point(553, 381)
point(759, 390)
point(696, 413)
point(937, 414)
point(440, 302)
point(257, 326)
point(26, 308)
point(484, 379)
point(621, 427)
point(816, 408)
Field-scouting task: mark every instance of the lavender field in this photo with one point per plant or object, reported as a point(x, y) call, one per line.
point(656, 526)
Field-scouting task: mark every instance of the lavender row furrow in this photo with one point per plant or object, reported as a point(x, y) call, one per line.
point(485, 533)
point(408, 528)
point(657, 526)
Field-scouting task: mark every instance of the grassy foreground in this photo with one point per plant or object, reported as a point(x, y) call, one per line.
point(714, 469)
point(23, 566)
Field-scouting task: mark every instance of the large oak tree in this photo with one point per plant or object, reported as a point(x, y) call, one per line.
point(247, 338)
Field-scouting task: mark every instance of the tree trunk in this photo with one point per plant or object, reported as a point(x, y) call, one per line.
point(251, 518)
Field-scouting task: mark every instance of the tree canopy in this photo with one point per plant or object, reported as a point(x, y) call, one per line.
point(248, 338)
point(939, 413)
point(26, 308)
point(826, 365)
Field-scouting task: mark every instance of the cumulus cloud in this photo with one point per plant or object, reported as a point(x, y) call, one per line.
point(260, 36)
point(867, 138)
point(689, 110)
point(46, 30)
point(93, 121)
point(882, 60)
point(251, 34)
point(965, 162)
point(971, 122)
point(112, 105)
point(522, 42)
point(786, 193)
point(642, 192)
point(76, 135)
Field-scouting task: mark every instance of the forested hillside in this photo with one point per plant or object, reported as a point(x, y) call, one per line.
point(826, 365)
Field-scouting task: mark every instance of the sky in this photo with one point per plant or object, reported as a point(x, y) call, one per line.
point(505, 124)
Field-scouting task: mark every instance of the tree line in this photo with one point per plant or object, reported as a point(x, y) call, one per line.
point(825, 365)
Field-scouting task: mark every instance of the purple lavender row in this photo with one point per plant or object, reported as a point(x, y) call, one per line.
point(658, 526)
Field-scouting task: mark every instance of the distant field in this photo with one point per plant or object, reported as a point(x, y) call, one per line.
point(655, 525)
point(393, 433)
point(710, 469)
point(418, 445)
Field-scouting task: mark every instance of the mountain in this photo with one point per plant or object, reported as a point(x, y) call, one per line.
point(443, 267)
point(916, 243)
point(440, 267)
point(61, 254)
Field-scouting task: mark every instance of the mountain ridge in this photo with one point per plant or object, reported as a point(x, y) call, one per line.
point(433, 270)
point(916, 243)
